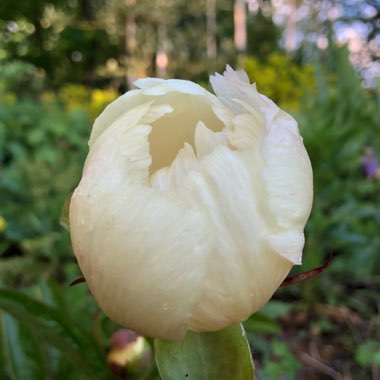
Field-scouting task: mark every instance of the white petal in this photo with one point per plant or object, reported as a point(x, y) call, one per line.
point(170, 132)
point(143, 259)
point(169, 178)
point(114, 110)
point(156, 87)
point(243, 270)
point(206, 140)
point(234, 90)
point(288, 177)
point(288, 244)
point(205, 240)
point(156, 112)
point(152, 90)
point(148, 82)
point(247, 132)
point(143, 252)
point(232, 86)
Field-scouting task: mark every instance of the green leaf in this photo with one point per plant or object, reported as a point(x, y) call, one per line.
point(56, 329)
point(259, 323)
point(220, 355)
point(26, 358)
point(368, 353)
point(3, 374)
point(65, 219)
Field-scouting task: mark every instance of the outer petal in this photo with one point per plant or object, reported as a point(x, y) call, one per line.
point(287, 171)
point(120, 226)
point(243, 267)
point(204, 242)
point(150, 89)
point(243, 270)
point(288, 176)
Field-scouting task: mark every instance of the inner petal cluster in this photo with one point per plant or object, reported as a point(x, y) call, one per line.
point(171, 131)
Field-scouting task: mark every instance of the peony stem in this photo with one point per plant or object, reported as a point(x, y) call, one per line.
point(290, 280)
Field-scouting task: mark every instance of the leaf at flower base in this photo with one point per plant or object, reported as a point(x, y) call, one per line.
point(220, 355)
point(56, 329)
point(26, 360)
point(64, 219)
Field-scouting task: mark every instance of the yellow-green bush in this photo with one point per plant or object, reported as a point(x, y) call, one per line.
point(100, 99)
point(280, 79)
point(93, 101)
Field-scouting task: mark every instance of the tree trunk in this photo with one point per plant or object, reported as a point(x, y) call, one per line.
point(240, 25)
point(130, 47)
point(211, 29)
point(291, 31)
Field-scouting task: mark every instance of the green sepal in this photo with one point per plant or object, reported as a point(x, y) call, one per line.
point(64, 219)
point(220, 355)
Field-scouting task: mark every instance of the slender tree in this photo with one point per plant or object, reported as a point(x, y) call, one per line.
point(211, 29)
point(240, 25)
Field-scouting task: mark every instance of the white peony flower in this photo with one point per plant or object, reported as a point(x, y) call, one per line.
point(191, 209)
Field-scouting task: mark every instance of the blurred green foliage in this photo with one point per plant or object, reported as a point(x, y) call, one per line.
point(42, 151)
point(43, 336)
point(282, 80)
point(60, 65)
point(338, 122)
point(338, 119)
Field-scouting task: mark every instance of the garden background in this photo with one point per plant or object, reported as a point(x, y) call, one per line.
point(63, 61)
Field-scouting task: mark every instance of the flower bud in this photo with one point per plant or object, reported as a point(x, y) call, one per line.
point(191, 208)
point(129, 354)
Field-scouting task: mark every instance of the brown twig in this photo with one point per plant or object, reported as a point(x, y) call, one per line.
point(320, 366)
point(308, 274)
point(288, 281)
point(78, 281)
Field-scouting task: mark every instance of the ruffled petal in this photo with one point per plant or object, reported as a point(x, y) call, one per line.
point(232, 87)
point(288, 176)
point(288, 244)
point(115, 110)
point(191, 208)
point(157, 87)
point(243, 270)
point(143, 252)
point(170, 177)
point(206, 140)
point(141, 228)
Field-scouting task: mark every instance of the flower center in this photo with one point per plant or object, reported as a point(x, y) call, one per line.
point(171, 131)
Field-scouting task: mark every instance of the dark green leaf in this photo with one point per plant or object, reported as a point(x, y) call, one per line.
point(56, 329)
point(26, 359)
point(368, 353)
point(220, 355)
point(64, 219)
point(260, 323)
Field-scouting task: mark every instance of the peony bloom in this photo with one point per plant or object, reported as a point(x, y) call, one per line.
point(191, 209)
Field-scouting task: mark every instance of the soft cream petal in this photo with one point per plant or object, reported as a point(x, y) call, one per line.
point(156, 112)
point(235, 91)
point(170, 177)
point(206, 140)
point(288, 177)
point(124, 143)
point(243, 270)
point(170, 132)
point(152, 89)
point(288, 244)
point(156, 87)
point(170, 240)
point(114, 110)
point(148, 82)
point(233, 86)
point(142, 229)
point(118, 226)
point(247, 132)
point(257, 115)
